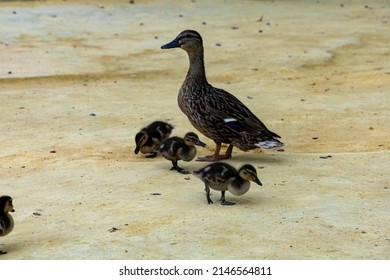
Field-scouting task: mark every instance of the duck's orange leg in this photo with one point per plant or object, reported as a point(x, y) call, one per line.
point(216, 156)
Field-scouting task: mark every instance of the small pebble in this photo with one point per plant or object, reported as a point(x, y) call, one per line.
point(53, 151)
point(155, 193)
point(218, 44)
point(92, 115)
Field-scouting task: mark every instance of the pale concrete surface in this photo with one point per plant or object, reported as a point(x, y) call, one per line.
point(80, 78)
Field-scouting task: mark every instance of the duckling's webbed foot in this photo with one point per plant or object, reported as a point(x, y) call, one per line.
point(223, 201)
point(152, 155)
point(179, 169)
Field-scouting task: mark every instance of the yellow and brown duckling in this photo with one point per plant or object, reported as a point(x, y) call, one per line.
point(6, 220)
point(151, 136)
point(215, 112)
point(176, 148)
point(223, 177)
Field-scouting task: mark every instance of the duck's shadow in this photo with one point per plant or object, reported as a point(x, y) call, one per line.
point(256, 159)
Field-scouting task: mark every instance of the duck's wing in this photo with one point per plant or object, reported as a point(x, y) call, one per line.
point(224, 109)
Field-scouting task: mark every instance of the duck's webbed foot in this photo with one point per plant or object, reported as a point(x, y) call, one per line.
point(216, 156)
point(223, 201)
point(179, 169)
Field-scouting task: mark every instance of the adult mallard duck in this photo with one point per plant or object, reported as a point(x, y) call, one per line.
point(176, 148)
point(6, 221)
point(214, 112)
point(224, 177)
point(151, 136)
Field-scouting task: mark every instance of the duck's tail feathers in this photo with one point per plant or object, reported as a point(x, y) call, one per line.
point(269, 144)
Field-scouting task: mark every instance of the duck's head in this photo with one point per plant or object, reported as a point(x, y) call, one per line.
point(191, 139)
point(140, 140)
point(188, 40)
point(248, 172)
point(6, 204)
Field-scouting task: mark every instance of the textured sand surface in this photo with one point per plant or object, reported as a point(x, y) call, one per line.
point(79, 79)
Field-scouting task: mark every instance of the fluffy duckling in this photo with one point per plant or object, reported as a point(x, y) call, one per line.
point(176, 148)
point(214, 112)
point(150, 136)
point(6, 221)
point(224, 177)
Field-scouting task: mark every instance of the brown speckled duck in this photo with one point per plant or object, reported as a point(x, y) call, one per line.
point(6, 221)
point(176, 148)
point(223, 177)
point(214, 112)
point(151, 136)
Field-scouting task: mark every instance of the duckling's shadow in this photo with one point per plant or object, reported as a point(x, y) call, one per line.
point(8, 248)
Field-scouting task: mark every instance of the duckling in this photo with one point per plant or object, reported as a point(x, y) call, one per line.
point(151, 136)
point(176, 148)
point(6, 221)
point(224, 177)
point(214, 112)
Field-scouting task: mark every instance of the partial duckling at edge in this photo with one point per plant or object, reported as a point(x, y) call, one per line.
point(151, 136)
point(224, 177)
point(214, 112)
point(6, 220)
point(176, 148)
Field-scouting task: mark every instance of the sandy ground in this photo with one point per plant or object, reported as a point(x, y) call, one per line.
point(79, 79)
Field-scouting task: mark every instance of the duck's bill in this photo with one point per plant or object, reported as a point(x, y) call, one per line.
point(257, 181)
point(200, 143)
point(174, 44)
point(136, 151)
